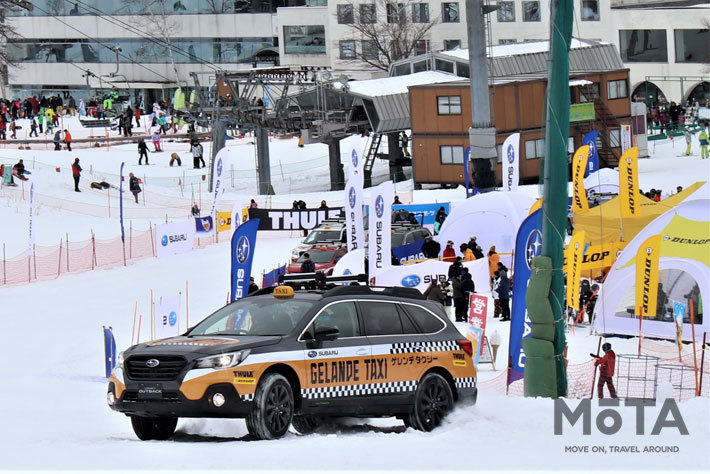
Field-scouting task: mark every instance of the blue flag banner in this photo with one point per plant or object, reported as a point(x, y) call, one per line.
point(427, 210)
point(528, 244)
point(243, 245)
point(109, 351)
point(405, 253)
point(466, 157)
point(204, 225)
point(272, 278)
point(593, 161)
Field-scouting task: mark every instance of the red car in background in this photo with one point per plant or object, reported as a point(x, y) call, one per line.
point(324, 258)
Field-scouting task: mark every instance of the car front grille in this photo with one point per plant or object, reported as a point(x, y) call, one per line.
point(168, 368)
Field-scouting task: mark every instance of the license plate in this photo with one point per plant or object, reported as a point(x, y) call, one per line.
point(150, 390)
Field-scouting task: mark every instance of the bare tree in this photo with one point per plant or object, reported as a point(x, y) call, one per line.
point(220, 6)
point(387, 31)
point(156, 21)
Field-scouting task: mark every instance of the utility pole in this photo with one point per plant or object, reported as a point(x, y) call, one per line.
point(482, 134)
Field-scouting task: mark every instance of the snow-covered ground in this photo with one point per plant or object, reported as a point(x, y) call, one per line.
point(54, 416)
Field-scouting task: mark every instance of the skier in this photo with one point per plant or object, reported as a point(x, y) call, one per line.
point(197, 151)
point(133, 185)
point(688, 141)
point(703, 138)
point(142, 151)
point(76, 173)
point(58, 141)
point(156, 139)
point(67, 139)
point(606, 370)
point(33, 128)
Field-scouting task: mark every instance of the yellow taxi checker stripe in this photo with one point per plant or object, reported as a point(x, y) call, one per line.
point(424, 346)
point(356, 390)
point(465, 382)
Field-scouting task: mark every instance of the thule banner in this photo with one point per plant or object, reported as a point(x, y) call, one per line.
point(291, 219)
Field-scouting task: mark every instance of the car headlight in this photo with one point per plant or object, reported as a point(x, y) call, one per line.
point(221, 361)
point(119, 360)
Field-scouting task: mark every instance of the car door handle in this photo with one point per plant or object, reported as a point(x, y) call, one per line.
point(362, 351)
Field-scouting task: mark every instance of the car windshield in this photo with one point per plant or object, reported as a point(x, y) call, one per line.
point(254, 317)
point(318, 256)
point(322, 236)
point(397, 239)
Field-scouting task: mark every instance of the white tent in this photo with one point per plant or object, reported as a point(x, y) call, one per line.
point(494, 218)
point(352, 263)
point(605, 180)
point(684, 273)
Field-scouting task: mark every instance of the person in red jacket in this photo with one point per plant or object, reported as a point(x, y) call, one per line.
point(67, 139)
point(606, 370)
point(449, 254)
point(76, 172)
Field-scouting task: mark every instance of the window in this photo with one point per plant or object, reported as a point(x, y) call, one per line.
point(615, 138)
point(570, 145)
point(639, 46)
point(422, 46)
point(691, 46)
point(449, 104)
point(534, 148)
point(450, 12)
point(589, 93)
point(445, 66)
point(345, 14)
point(368, 13)
point(382, 319)
point(341, 316)
point(451, 154)
point(617, 89)
point(452, 44)
point(531, 11)
point(427, 322)
point(420, 66)
point(499, 151)
point(347, 49)
point(395, 12)
point(304, 39)
point(590, 10)
point(507, 41)
point(369, 50)
point(462, 69)
point(506, 11)
point(402, 69)
point(420, 13)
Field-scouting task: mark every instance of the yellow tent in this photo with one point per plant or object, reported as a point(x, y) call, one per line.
point(603, 224)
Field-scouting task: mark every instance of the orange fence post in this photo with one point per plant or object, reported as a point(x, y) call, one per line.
point(138, 336)
point(640, 320)
point(133, 331)
point(67, 252)
point(34, 258)
point(4, 272)
point(59, 266)
point(187, 307)
point(702, 365)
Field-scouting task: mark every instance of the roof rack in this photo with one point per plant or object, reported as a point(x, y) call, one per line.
point(400, 292)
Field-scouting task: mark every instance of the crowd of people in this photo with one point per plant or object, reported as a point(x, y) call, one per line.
point(669, 117)
point(459, 285)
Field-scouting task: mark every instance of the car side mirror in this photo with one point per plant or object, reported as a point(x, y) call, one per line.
point(325, 333)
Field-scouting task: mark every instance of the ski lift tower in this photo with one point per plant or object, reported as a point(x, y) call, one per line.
point(482, 133)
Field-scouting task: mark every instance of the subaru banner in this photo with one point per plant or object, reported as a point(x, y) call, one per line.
point(243, 245)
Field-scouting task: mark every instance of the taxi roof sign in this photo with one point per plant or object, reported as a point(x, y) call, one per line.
point(283, 292)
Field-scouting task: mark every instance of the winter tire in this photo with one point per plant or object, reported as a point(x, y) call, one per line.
point(432, 401)
point(272, 408)
point(160, 428)
point(305, 424)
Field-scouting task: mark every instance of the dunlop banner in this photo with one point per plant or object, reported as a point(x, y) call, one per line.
point(647, 275)
point(598, 257)
point(629, 183)
point(579, 165)
point(224, 221)
point(575, 251)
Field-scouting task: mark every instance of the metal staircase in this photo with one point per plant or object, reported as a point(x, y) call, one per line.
point(604, 122)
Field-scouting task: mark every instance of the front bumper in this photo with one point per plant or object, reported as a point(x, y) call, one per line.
point(171, 402)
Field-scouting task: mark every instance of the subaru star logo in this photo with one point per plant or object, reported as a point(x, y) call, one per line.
point(533, 247)
point(511, 153)
point(410, 281)
point(351, 197)
point(164, 241)
point(592, 145)
point(379, 206)
point(312, 354)
point(172, 319)
point(152, 363)
point(219, 167)
point(354, 158)
point(243, 249)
